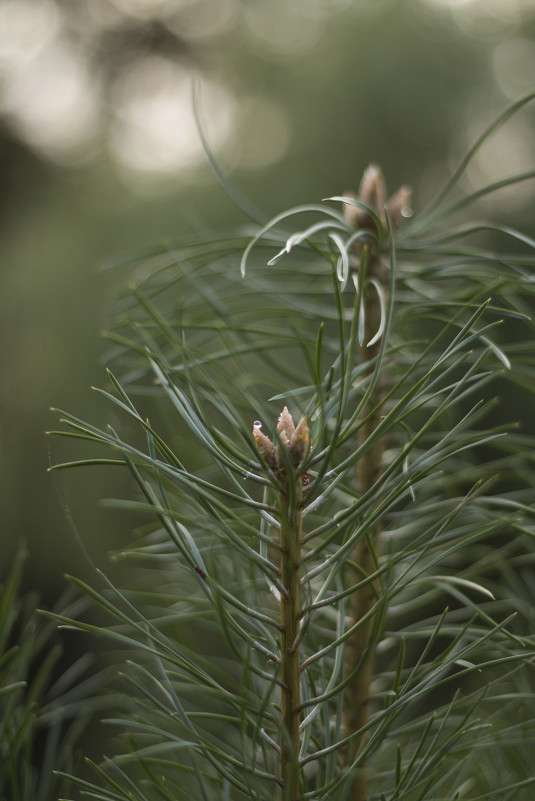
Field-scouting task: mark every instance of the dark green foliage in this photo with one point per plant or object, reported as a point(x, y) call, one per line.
point(44, 707)
point(201, 352)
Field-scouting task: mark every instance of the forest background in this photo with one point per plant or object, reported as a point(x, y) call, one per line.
point(100, 155)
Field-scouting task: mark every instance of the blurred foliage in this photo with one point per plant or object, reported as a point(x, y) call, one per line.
point(398, 385)
point(99, 154)
point(43, 701)
point(296, 97)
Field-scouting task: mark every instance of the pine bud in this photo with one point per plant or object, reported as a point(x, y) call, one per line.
point(300, 441)
point(285, 430)
point(264, 446)
point(372, 193)
point(285, 425)
point(291, 441)
point(355, 217)
point(399, 206)
point(372, 190)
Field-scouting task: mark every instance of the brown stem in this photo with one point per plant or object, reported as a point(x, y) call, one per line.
point(290, 608)
point(359, 650)
point(283, 459)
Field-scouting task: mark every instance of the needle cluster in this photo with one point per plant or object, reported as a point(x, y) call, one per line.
point(341, 611)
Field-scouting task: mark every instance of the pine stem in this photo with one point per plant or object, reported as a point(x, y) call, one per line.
point(359, 650)
point(290, 608)
point(293, 445)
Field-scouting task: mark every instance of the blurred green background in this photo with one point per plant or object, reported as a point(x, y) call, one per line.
point(100, 155)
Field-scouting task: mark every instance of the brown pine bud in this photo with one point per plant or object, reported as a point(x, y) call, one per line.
point(300, 442)
point(399, 205)
point(372, 190)
point(285, 424)
point(354, 216)
point(372, 193)
point(292, 442)
point(264, 446)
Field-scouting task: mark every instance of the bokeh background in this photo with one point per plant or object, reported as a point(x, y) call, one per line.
point(100, 154)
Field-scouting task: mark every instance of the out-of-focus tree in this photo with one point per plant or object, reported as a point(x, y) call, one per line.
point(100, 152)
point(344, 81)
